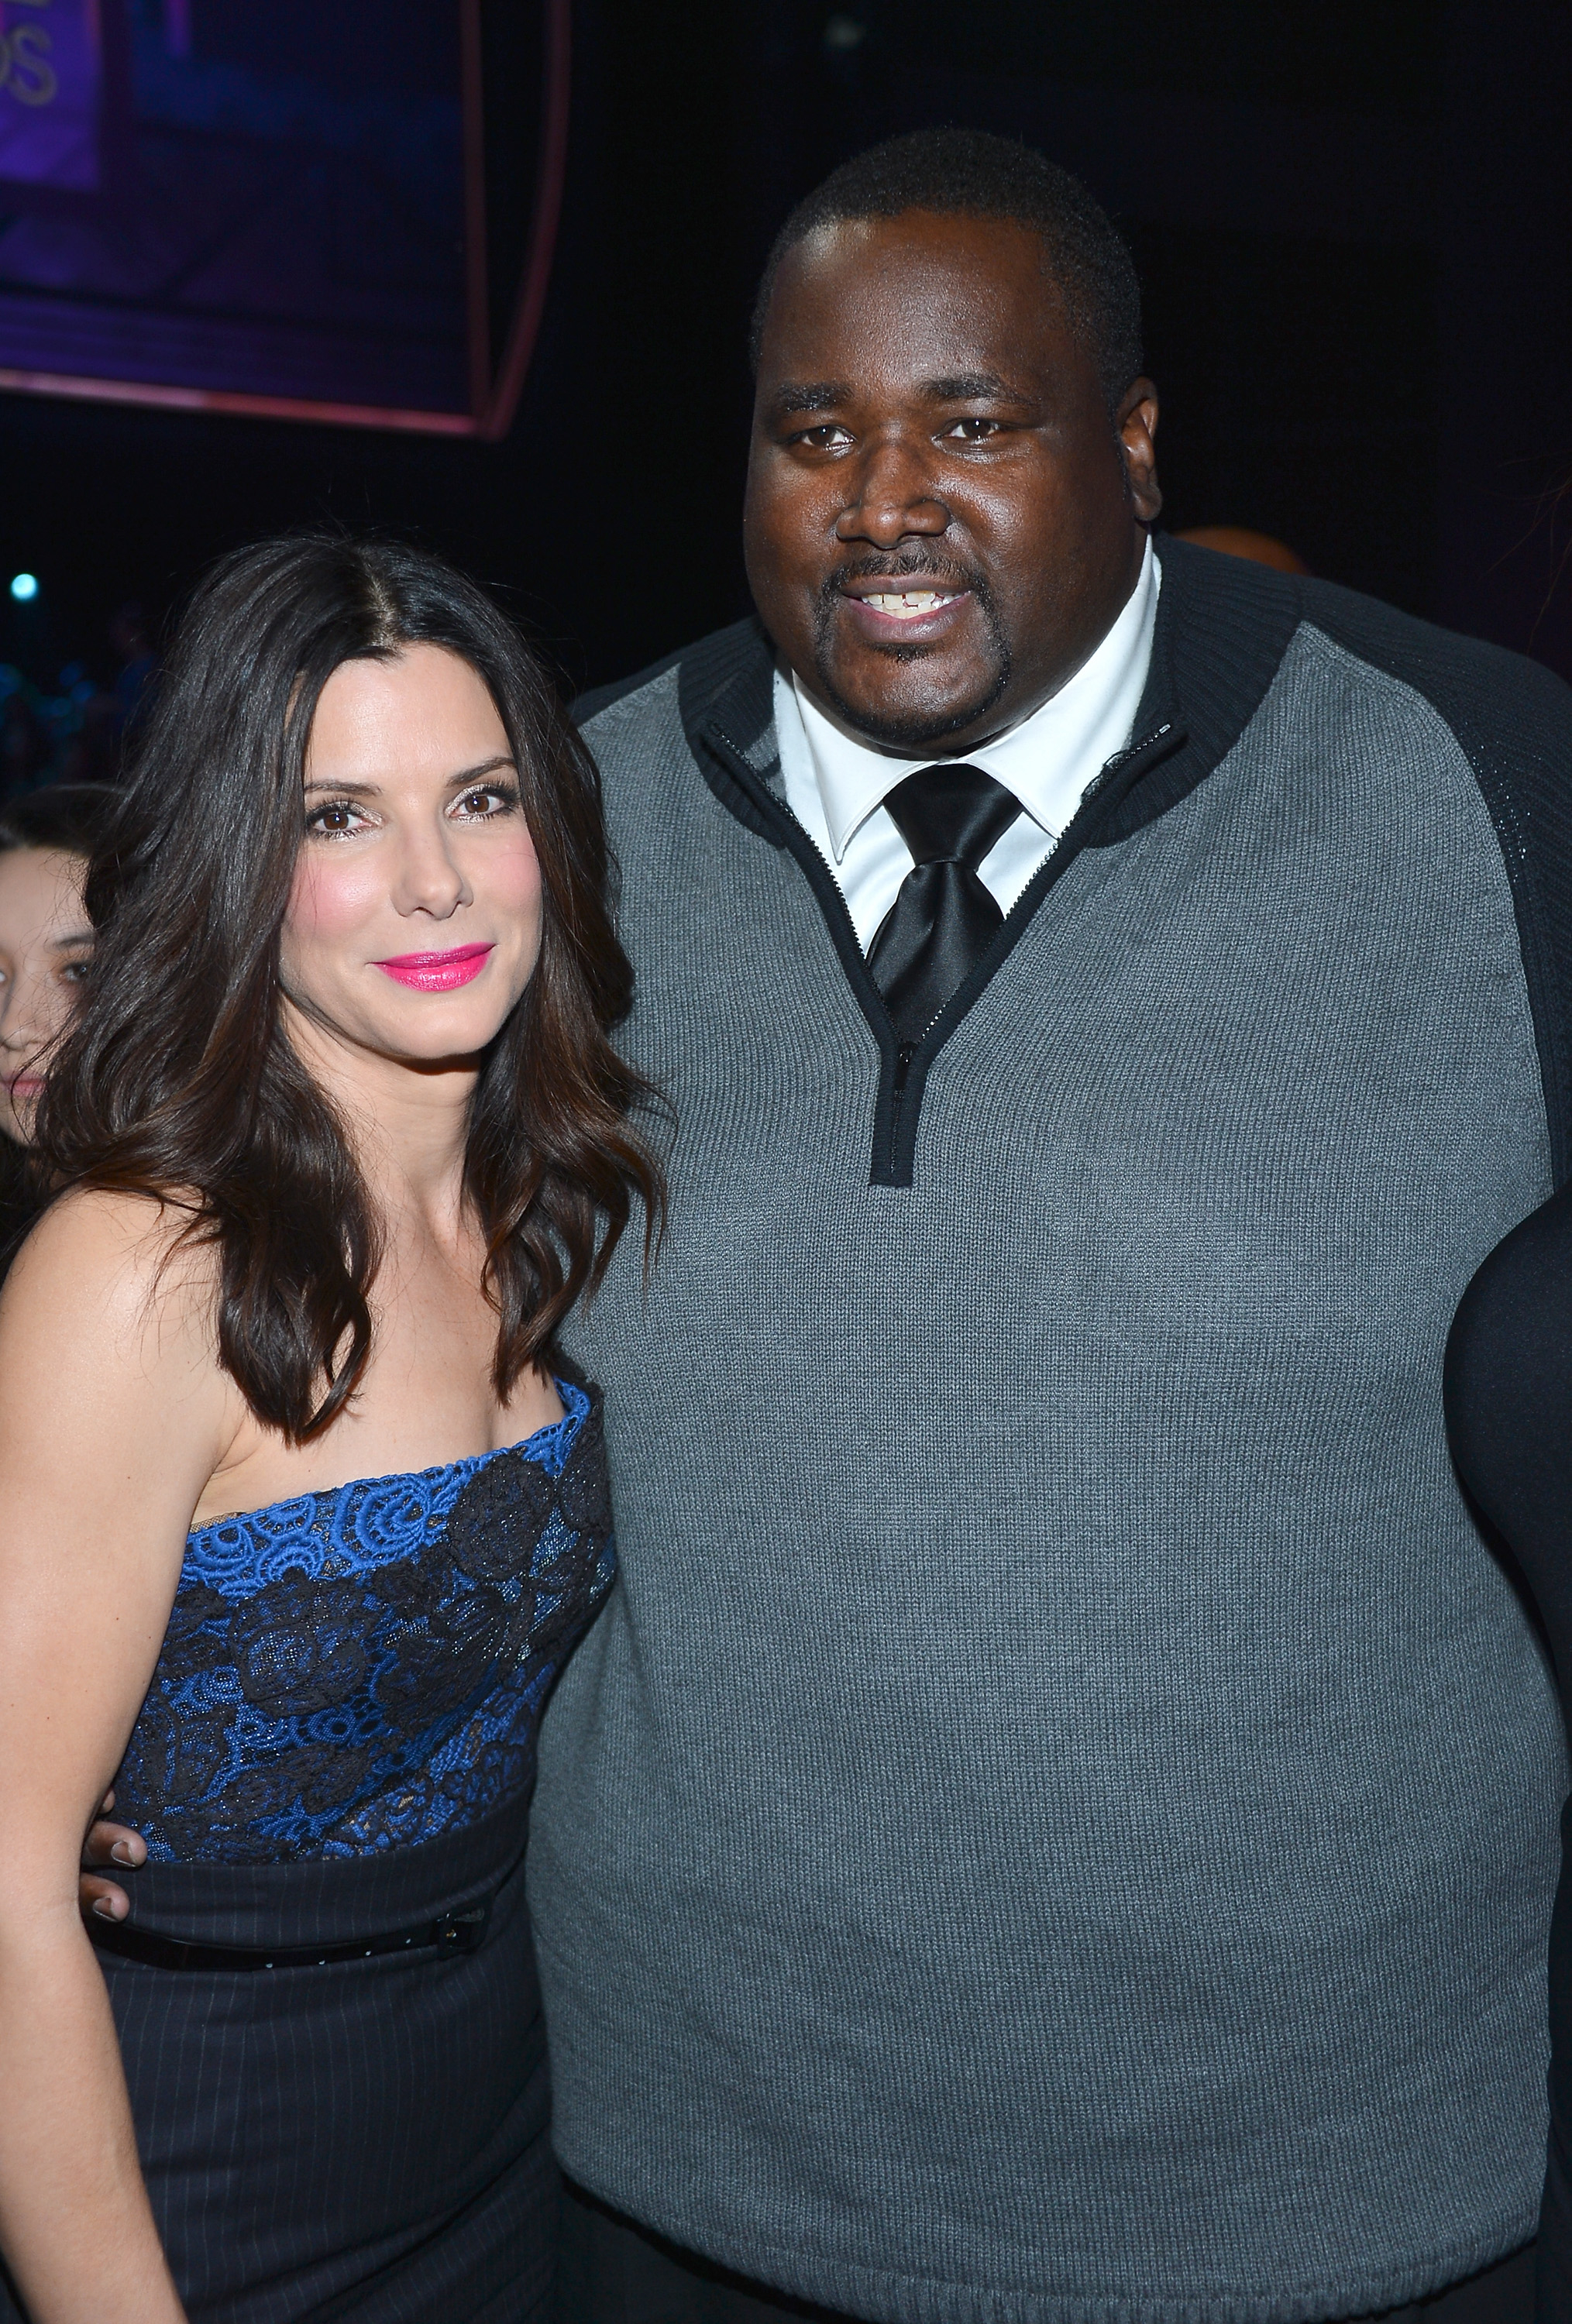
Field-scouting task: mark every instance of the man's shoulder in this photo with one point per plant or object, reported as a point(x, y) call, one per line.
point(706, 671)
point(1489, 694)
point(596, 698)
point(1228, 612)
point(1511, 718)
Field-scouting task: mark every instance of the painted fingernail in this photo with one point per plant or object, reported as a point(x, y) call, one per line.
point(121, 1852)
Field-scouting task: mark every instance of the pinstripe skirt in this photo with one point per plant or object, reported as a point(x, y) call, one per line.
point(366, 2141)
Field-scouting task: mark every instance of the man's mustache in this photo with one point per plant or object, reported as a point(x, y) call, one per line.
point(906, 565)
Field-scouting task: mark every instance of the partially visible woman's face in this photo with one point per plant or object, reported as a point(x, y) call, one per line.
point(45, 943)
point(414, 924)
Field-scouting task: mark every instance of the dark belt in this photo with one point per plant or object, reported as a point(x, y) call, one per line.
point(455, 1932)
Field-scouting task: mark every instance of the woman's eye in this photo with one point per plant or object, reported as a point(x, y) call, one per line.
point(333, 821)
point(490, 799)
point(75, 971)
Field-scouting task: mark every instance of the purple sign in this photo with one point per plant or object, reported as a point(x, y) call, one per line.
point(50, 91)
point(242, 205)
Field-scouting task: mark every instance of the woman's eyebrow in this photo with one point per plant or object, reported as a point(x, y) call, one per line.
point(75, 936)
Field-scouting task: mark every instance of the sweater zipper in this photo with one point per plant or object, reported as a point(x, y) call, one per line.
point(893, 1150)
point(895, 1057)
point(898, 1105)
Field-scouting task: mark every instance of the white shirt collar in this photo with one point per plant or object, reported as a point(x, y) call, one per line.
point(1047, 759)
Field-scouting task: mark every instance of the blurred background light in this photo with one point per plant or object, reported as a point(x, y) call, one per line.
point(23, 586)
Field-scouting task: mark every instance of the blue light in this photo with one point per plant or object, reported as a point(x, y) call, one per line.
point(23, 586)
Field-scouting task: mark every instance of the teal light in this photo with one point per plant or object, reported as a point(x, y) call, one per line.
point(23, 586)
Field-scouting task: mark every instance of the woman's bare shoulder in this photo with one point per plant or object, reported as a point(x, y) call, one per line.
point(117, 1260)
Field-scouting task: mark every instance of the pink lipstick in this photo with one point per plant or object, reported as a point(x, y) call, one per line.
point(437, 972)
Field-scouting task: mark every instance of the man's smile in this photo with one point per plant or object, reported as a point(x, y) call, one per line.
point(919, 607)
point(916, 613)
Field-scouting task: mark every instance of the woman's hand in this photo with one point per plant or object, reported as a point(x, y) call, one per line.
point(109, 1843)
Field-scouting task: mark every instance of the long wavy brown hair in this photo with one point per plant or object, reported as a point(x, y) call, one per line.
point(179, 1080)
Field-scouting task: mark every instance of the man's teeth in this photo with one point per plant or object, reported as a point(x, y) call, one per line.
point(910, 604)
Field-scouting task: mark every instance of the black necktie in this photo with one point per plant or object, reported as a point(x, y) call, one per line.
point(943, 919)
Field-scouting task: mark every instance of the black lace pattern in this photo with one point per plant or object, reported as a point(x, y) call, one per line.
point(364, 1668)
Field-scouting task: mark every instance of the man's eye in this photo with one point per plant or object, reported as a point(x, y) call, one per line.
point(827, 437)
point(974, 430)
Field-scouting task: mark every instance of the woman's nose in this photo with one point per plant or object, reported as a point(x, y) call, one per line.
point(429, 880)
point(26, 1023)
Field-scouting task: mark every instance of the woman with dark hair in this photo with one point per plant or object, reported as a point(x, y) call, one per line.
point(45, 944)
point(303, 1512)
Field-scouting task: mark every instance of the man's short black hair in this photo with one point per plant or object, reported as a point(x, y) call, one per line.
point(972, 173)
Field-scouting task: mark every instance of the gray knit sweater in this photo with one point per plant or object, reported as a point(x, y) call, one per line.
point(1058, 1819)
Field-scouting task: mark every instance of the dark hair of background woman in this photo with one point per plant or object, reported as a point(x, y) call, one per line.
point(179, 1080)
point(65, 819)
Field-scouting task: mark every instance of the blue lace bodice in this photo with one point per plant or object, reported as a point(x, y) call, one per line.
point(364, 1668)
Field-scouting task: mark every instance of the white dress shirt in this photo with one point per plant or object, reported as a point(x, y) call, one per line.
point(836, 783)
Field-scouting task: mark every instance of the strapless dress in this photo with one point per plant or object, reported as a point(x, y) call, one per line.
point(332, 1768)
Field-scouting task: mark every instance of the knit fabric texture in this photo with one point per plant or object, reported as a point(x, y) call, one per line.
point(1057, 1824)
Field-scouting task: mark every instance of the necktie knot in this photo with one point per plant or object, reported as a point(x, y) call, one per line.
point(951, 813)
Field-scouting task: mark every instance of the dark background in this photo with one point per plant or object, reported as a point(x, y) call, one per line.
point(1352, 220)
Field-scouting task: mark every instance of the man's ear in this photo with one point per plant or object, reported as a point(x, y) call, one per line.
point(1135, 424)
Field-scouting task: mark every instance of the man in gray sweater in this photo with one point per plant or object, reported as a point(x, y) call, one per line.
point(1057, 1824)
